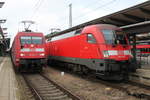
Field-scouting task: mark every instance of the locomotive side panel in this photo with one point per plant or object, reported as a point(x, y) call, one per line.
point(98, 47)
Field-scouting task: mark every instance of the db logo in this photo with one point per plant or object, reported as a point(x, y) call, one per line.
point(32, 49)
point(120, 52)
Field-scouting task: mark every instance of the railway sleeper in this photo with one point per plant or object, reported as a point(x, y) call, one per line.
point(46, 89)
point(49, 84)
point(46, 86)
point(45, 83)
point(140, 95)
point(53, 94)
point(64, 97)
point(54, 91)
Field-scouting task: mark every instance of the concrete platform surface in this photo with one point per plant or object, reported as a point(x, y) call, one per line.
point(8, 83)
point(1, 59)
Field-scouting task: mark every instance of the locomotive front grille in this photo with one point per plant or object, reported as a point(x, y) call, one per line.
point(32, 61)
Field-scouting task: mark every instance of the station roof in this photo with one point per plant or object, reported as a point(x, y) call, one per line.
point(136, 14)
point(1, 4)
point(1, 32)
point(132, 15)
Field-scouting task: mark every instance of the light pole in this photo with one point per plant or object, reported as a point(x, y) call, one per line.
point(70, 15)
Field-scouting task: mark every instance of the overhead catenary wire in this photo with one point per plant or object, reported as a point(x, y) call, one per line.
point(37, 3)
point(84, 14)
point(35, 10)
point(36, 7)
point(102, 6)
point(89, 4)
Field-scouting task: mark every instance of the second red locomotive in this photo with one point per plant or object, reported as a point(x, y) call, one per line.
point(102, 49)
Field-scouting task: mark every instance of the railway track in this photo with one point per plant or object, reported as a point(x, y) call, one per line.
point(45, 89)
point(144, 94)
point(130, 88)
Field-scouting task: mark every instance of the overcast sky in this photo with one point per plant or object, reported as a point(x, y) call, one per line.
point(54, 13)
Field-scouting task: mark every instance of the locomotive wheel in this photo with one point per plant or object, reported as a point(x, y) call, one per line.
point(133, 67)
point(17, 70)
point(84, 70)
point(40, 69)
point(49, 62)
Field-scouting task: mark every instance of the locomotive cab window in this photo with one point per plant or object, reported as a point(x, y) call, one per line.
point(114, 36)
point(25, 40)
point(37, 40)
point(90, 38)
point(30, 40)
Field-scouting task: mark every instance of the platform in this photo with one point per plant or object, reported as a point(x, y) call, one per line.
point(8, 83)
point(1, 59)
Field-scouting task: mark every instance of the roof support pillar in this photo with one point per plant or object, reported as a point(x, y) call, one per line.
point(134, 47)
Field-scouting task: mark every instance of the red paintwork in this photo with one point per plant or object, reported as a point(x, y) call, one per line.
point(16, 48)
point(78, 47)
point(142, 46)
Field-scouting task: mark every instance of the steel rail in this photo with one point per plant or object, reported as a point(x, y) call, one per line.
point(69, 93)
point(34, 91)
point(123, 89)
point(39, 96)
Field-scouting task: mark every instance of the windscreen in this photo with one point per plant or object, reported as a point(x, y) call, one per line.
point(30, 40)
point(114, 37)
point(36, 40)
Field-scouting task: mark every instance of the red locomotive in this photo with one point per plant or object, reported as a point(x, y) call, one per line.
point(102, 49)
point(28, 51)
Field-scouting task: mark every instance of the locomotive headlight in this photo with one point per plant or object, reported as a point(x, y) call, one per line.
point(127, 52)
point(21, 54)
point(39, 49)
point(42, 54)
point(105, 53)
